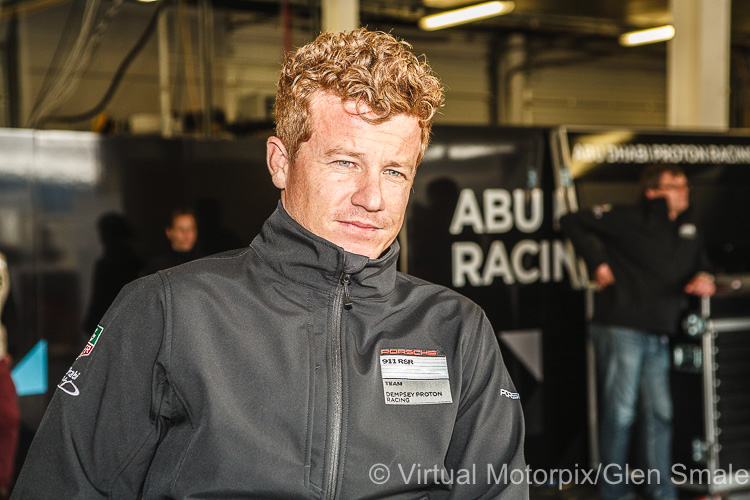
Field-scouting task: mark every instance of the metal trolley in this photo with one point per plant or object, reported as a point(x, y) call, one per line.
point(712, 381)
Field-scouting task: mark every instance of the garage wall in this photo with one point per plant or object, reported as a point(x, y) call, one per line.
point(563, 81)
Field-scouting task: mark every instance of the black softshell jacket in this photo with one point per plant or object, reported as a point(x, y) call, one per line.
point(651, 257)
point(258, 373)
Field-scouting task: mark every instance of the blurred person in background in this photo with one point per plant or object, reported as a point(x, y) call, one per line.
point(644, 258)
point(182, 234)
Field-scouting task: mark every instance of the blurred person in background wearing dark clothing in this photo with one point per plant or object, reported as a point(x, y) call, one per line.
point(645, 258)
point(118, 266)
point(182, 234)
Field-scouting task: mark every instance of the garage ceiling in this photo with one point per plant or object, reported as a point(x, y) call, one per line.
point(581, 17)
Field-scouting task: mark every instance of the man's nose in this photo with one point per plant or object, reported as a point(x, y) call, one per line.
point(369, 193)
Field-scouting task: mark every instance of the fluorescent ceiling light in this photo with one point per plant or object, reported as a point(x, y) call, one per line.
point(660, 34)
point(446, 4)
point(465, 15)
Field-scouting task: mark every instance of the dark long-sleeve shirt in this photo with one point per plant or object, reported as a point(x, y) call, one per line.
point(651, 257)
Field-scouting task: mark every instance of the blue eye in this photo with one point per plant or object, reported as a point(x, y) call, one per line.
point(394, 173)
point(343, 163)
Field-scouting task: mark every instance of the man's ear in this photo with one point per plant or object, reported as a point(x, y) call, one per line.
point(277, 160)
point(650, 194)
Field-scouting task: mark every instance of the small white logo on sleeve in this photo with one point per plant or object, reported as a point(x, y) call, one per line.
point(600, 210)
point(67, 385)
point(510, 395)
point(688, 231)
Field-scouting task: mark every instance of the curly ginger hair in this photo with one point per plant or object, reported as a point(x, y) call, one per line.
point(371, 68)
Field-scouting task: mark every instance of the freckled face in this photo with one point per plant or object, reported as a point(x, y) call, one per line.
point(350, 181)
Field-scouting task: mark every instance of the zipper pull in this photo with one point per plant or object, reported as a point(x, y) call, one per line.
point(347, 299)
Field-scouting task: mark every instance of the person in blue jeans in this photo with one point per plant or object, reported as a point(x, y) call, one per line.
point(644, 258)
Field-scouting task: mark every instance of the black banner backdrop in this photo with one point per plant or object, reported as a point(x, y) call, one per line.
point(480, 222)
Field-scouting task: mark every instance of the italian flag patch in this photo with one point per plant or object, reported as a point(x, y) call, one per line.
point(92, 342)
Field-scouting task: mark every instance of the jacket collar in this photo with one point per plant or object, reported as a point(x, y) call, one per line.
point(305, 258)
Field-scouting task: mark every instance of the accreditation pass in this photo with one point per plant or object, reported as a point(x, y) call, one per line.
point(415, 377)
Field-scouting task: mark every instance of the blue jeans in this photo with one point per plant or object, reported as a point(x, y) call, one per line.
point(633, 371)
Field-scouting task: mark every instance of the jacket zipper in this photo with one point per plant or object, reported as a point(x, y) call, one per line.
point(341, 299)
point(347, 299)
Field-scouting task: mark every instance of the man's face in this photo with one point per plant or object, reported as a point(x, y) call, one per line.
point(350, 182)
point(183, 233)
point(675, 190)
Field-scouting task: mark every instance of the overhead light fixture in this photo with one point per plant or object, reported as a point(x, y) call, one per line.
point(652, 35)
point(465, 15)
point(446, 4)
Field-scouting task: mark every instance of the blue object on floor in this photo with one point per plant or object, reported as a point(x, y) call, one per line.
point(30, 374)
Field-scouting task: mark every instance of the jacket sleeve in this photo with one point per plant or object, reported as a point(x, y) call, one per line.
point(704, 264)
point(584, 228)
point(488, 437)
point(103, 423)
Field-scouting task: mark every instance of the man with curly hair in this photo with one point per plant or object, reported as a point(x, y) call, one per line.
point(304, 366)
